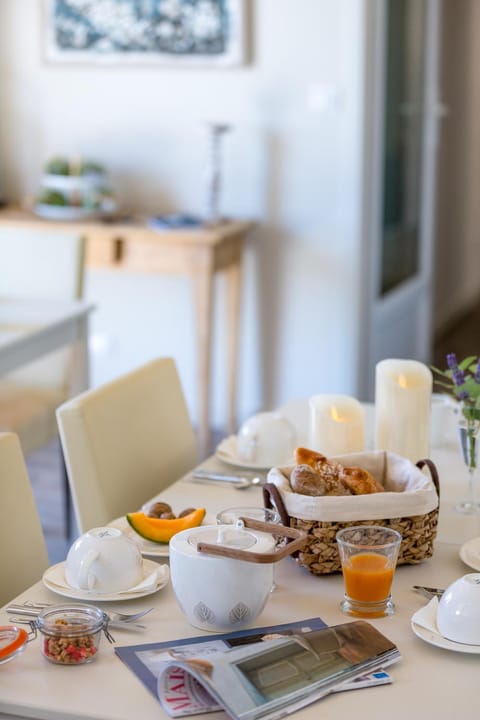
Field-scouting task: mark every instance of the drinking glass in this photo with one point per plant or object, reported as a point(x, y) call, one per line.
point(368, 554)
point(468, 431)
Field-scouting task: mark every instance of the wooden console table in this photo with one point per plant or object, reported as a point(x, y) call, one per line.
point(200, 253)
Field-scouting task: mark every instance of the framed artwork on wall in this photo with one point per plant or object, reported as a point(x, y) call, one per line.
point(160, 32)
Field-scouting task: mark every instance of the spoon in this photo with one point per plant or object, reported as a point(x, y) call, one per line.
point(238, 481)
point(429, 592)
point(249, 482)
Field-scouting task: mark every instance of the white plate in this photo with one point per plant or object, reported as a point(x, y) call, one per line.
point(470, 553)
point(148, 567)
point(434, 639)
point(146, 547)
point(227, 452)
point(66, 212)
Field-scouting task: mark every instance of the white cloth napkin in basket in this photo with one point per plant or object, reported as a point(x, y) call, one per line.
point(408, 491)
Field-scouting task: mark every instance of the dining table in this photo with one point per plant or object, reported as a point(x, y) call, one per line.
point(124, 244)
point(33, 327)
point(429, 681)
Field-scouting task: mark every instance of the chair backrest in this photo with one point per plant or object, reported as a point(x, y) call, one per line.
point(125, 441)
point(23, 552)
point(41, 264)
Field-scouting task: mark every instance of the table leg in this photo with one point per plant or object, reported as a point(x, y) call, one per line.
point(79, 369)
point(233, 276)
point(203, 283)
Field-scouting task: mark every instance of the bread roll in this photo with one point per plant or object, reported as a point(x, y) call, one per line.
point(359, 481)
point(315, 475)
point(306, 481)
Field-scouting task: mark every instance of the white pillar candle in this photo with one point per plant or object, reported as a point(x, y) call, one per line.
point(403, 390)
point(337, 425)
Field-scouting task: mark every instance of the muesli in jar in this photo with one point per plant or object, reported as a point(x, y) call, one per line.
point(71, 633)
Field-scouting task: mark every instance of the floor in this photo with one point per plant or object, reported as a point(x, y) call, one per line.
point(45, 468)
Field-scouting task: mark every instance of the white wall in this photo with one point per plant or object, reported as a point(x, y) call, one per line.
point(292, 163)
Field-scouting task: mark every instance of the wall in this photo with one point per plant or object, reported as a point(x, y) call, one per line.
point(292, 163)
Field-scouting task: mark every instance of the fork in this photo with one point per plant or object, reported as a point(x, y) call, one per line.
point(126, 617)
point(31, 608)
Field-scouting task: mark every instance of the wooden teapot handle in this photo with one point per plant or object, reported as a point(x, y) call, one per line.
point(298, 540)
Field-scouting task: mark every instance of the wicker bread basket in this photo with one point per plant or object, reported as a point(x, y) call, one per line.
point(320, 554)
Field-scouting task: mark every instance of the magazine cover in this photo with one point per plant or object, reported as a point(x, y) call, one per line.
point(265, 673)
point(148, 659)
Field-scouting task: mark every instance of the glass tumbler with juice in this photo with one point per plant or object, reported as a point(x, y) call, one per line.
point(368, 554)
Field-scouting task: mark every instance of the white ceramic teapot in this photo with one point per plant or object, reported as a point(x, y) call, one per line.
point(222, 574)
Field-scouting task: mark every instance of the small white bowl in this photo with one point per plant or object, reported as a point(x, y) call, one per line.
point(458, 616)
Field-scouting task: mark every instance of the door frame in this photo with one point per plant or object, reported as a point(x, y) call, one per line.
point(374, 309)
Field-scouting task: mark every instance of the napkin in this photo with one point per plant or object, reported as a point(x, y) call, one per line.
point(56, 576)
point(228, 448)
point(426, 617)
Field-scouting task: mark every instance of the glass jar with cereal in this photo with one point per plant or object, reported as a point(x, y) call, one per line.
point(71, 633)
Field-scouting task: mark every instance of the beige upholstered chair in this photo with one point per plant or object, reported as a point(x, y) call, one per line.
point(125, 441)
point(38, 265)
point(23, 552)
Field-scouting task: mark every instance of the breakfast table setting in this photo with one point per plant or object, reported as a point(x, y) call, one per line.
point(436, 675)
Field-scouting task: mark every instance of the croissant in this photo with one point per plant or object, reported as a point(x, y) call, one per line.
point(359, 481)
point(304, 456)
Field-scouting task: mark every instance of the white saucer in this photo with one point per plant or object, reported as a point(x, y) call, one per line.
point(470, 553)
point(435, 639)
point(146, 547)
point(227, 452)
point(148, 567)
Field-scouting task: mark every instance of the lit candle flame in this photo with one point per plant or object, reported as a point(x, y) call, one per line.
point(336, 415)
point(402, 381)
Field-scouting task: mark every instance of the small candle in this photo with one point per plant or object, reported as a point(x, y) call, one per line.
point(403, 390)
point(337, 424)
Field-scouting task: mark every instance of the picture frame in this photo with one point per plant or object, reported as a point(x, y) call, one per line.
point(176, 33)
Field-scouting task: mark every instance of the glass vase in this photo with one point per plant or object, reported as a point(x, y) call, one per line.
point(468, 431)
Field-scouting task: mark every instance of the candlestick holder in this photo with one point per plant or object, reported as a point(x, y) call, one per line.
point(213, 173)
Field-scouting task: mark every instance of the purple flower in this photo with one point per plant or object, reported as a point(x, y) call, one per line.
point(462, 395)
point(458, 376)
point(452, 361)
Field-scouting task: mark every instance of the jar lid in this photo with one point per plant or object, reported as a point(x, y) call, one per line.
point(70, 620)
point(225, 535)
point(12, 641)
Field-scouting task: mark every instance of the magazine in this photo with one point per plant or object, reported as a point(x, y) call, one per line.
point(262, 672)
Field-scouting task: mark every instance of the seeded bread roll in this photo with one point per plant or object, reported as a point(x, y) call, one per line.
point(307, 481)
point(359, 481)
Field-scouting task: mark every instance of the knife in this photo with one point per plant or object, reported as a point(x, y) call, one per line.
point(429, 591)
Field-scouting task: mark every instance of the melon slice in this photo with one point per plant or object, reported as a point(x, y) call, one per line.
point(160, 530)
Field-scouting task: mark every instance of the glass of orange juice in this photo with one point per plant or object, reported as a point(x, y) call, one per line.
point(368, 554)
